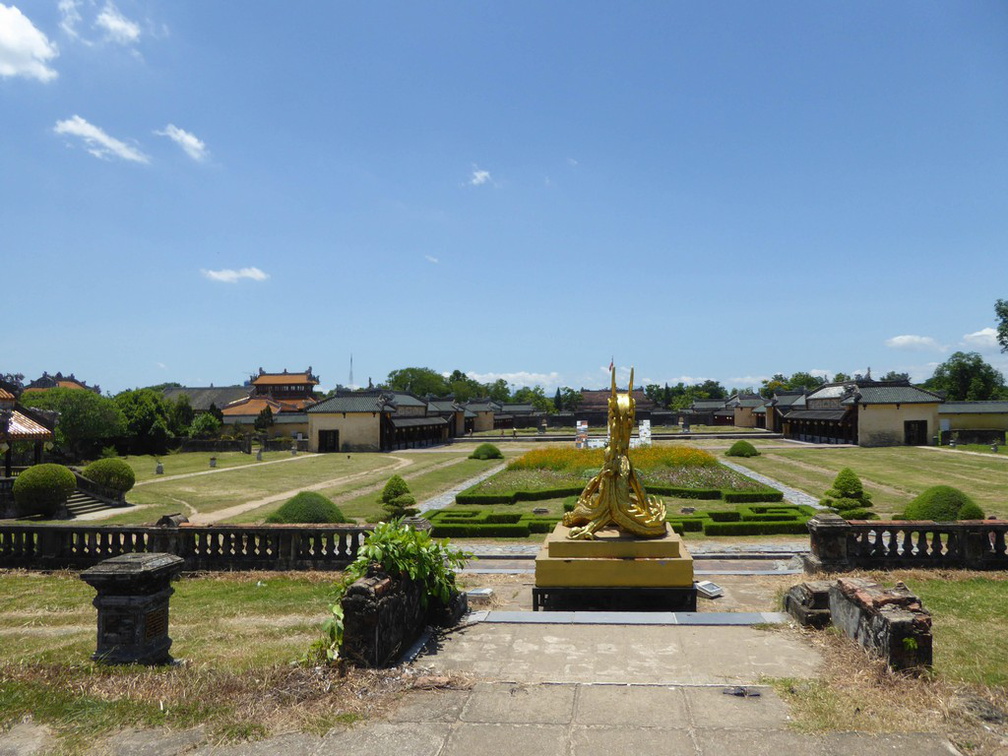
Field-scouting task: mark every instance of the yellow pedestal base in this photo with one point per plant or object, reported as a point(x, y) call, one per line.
point(613, 560)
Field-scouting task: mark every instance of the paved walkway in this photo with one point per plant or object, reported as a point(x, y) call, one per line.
point(791, 495)
point(448, 497)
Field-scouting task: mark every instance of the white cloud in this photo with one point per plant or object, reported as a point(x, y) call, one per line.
point(70, 17)
point(480, 177)
point(431, 259)
point(97, 142)
point(24, 50)
point(919, 343)
point(519, 378)
point(194, 147)
point(233, 276)
point(572, 162)
point(116, 26)
point(985, 338)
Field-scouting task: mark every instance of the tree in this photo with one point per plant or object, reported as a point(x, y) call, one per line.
point(14, 380)
point(498, 390)
point(803, 380)
point(215, 411)
point(892, 375)
point(148, 418)
point(1001, 310)
point(558, 404)
point(966, 377)
point(205, 425)
point(571, 398)
point(265, 420)
point(86, 420)
point(420, 381)
point(536, 396)
point(841, 378)
point(182, 415)
point(464, 388)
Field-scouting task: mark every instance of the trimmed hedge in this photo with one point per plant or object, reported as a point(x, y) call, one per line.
point(942, 504)
point(307, 507)
point(745, 497)
point(710, 494)
point(514, 497)
point(757, 528)
point(742, 449)
point(486, 451)
point(784, 519)
point(42, 490)
point(112, 473)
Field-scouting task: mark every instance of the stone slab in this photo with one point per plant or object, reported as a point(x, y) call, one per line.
point(641, 654)
point(519, 703)
point(524, 739)
point(635, 618)
point(610, 543)
point(650, 706)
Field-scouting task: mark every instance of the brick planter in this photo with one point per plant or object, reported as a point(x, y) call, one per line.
point(383, 617)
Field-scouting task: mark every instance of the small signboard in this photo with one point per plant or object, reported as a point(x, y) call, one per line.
point(581, 437)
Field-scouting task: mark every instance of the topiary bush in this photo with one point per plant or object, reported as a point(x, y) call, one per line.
point(970, 511)
point(307, 506)
point(42, 490)
point(486, 451)
point(742, 448)
point(848, 497)
point(942, 504)
point(112, 473)
point(396, 499)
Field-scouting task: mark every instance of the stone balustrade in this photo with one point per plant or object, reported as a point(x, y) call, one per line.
point(203, 547)
point(839, 545)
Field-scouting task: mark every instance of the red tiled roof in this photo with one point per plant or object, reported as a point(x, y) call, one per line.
point(283, 379)
point(5, 394)
point(256, 404)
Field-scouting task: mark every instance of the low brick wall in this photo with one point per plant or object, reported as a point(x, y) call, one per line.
point(890, 623)
point(383, 617)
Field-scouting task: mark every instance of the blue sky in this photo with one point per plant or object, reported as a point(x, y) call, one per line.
point(189, 191)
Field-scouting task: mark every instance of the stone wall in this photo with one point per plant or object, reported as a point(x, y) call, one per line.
point(383, 617)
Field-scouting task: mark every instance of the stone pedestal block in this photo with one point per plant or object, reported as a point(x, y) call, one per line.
point(132, 602)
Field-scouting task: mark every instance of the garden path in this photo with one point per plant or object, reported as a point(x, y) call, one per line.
point(206, 518)
point(791, 495)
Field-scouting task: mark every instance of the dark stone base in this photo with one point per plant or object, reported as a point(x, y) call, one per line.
point(615, 599)
point(808, 603)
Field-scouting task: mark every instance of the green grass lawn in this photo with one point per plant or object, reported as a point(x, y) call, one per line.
point(236, 633)
point(188, 484)
point(893, 475)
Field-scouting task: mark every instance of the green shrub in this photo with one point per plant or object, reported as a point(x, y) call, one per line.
point(42, 490)
point(742, 448)
point(112, 473)
point(859, 514)
point(970, 511)
point(745, 497)
point(486, 451)
point(307, 506)
point(941, 504)
point(396, 499)
point(847, 494)
point(402, 552)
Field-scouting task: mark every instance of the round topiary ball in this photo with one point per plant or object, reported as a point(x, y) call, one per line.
point(939, 503)
point(486, 451)
point(42, 490)
point(307, 507)
point(112, 473)
point(742, 448)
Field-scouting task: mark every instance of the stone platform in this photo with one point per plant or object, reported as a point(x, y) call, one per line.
point(614, 571)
